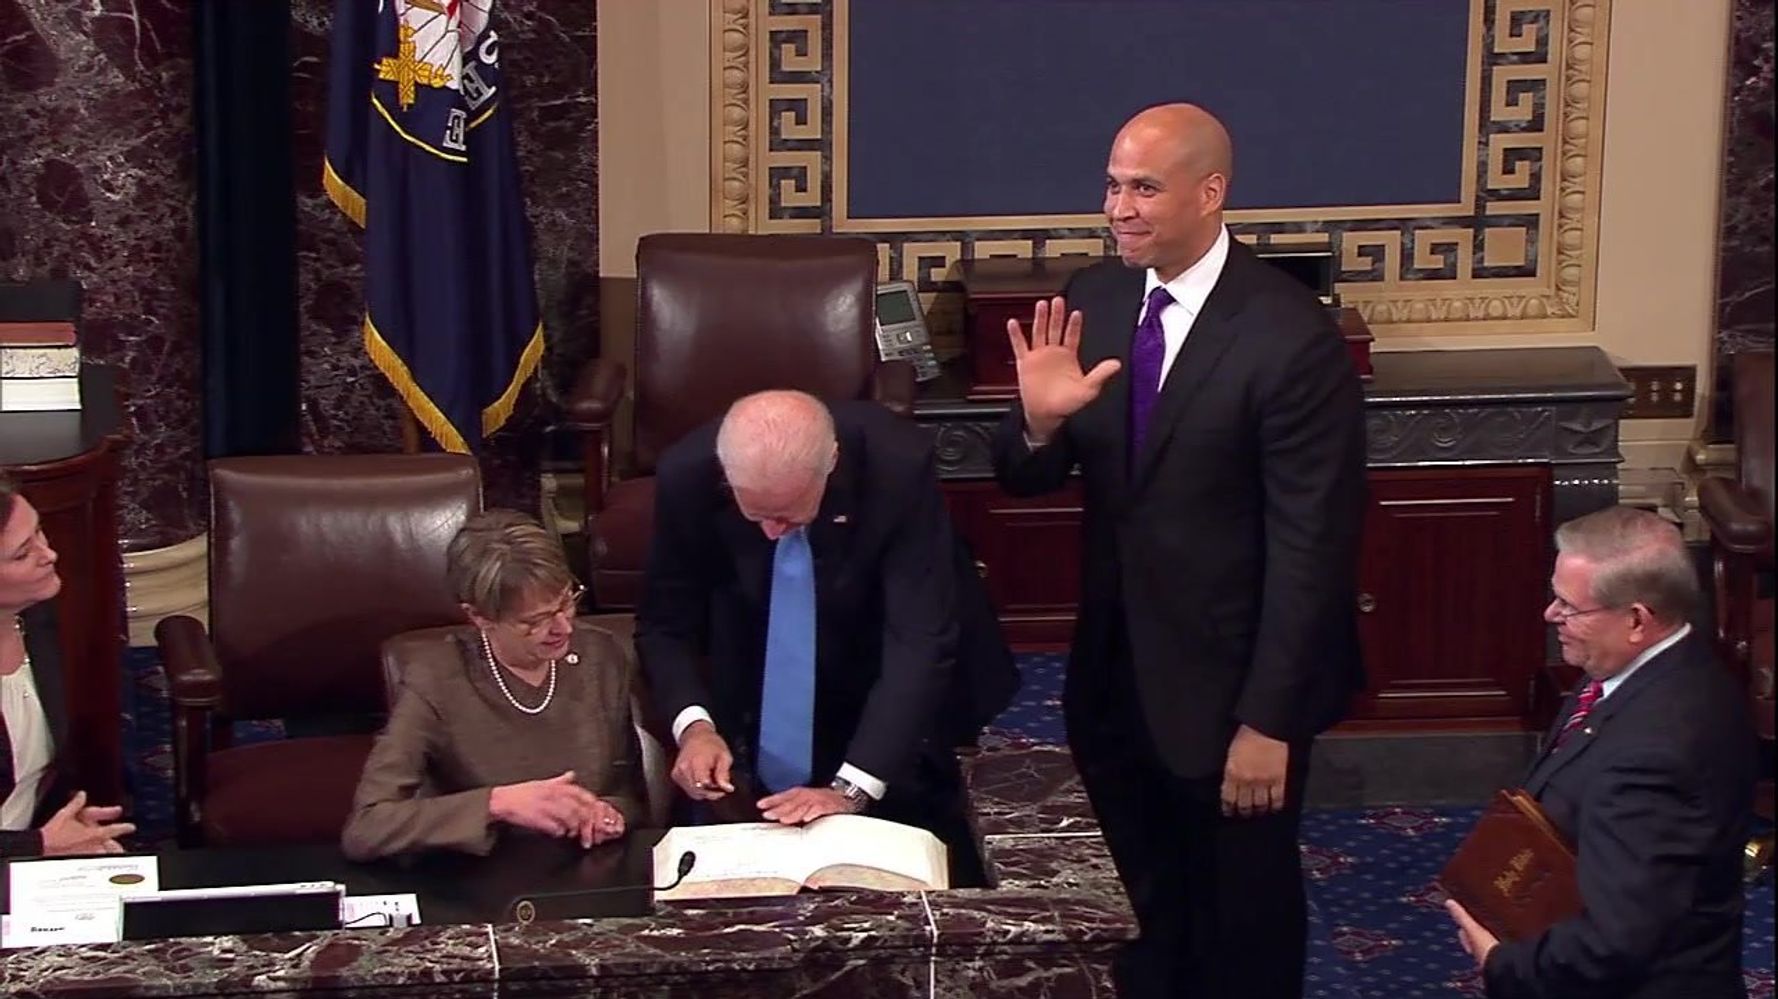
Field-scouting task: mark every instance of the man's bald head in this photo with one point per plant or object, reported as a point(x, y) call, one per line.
point(776, 449)
point(1196, 137)
point(1165, 186)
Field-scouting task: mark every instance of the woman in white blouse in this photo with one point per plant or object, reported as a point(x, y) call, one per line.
point(31, 709)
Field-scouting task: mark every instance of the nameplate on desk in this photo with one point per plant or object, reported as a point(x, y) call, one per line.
point(74, 900)
point(202, 912)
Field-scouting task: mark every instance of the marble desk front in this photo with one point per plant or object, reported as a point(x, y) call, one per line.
point(1048, 927)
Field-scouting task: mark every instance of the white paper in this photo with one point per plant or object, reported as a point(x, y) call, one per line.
point(379, 911)
point(73, 901)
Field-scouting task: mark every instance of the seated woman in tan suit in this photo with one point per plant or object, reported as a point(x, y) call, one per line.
point(526, 726)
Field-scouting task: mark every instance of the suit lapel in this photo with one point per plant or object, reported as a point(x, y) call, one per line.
point(752, 552)
point(1649, 676)
point(835, 524)
point(1110, 332)
point(1212, 333)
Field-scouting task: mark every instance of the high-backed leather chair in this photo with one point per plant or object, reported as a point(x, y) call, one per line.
point(436, 648)
point(1739, 513)
point(720, 316)
point(314, 561)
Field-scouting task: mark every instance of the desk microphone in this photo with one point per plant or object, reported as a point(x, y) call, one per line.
point(619, 900)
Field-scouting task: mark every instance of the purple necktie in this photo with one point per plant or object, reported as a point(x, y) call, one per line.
point(1147, 352)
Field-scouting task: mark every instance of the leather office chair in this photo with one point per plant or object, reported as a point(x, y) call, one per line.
point(314, 561)
point(436, 648)
point(721, 316)
point(1739, 512)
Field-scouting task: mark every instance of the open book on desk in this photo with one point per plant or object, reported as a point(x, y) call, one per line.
point(744, 859)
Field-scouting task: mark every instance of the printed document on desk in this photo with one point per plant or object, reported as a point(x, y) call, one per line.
point(75, 900)
point(744, 859)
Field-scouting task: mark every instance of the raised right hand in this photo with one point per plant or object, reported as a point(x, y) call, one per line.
point(555, 807)
point(77, 829)
point(1051, 385)
point(702, 769)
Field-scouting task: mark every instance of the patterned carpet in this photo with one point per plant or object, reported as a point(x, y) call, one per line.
point(1376, 927)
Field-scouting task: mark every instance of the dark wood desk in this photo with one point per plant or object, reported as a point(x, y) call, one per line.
point(66, 465)
point(452, 888)
point(1055, 916)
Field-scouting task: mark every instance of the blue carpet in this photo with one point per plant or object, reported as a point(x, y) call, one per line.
point(1377, 929)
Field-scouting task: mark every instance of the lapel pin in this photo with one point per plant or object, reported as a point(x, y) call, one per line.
point(839, 518)
point(571, 658)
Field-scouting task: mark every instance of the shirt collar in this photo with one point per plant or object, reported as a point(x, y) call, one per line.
point(1611, 683)
point(1193, 285)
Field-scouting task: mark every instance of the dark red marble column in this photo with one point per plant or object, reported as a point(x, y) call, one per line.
point(547, 51)
point(96, 183)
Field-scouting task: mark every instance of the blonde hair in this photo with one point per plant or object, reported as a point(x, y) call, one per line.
point(501, 556)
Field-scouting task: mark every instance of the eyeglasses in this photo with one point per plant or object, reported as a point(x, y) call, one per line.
point(569, 603)
point(1566, 611)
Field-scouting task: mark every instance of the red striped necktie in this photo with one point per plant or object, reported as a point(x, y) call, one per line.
point(1583, 706)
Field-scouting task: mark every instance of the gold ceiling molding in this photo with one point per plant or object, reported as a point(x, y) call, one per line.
point(1516, 254)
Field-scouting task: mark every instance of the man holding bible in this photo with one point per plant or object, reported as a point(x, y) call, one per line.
point(1648, 771)
point(804, 555)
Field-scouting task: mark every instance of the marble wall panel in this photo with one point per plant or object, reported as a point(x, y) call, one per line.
point(97, 183)
point(1744, 314)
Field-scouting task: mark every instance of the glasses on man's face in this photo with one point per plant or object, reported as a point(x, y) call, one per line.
point(570, 602)
point(1565, 611)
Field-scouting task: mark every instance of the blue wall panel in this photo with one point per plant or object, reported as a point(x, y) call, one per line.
point(990, 107)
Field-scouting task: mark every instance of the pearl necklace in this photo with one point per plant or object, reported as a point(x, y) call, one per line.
point(500, 681)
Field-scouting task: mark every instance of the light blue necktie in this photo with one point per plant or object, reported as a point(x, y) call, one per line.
point(787, 703)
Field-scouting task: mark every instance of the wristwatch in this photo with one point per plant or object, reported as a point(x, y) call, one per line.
point(857, 799)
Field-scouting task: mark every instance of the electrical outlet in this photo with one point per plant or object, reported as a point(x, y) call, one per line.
point(1660, 392)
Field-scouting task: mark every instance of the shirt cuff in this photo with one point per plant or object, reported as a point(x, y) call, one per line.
point(695, 713)
point(863, 781)
point(1032, 443)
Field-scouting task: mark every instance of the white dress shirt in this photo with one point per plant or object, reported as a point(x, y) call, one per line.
point(1616, 680)
point(1189, 290)
point(27, 728)
point(858, 778)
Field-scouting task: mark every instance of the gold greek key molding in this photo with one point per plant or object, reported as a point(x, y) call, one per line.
point(1517, 253)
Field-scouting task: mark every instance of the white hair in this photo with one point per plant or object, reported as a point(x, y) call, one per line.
point(774, 438)
point(1641, 558)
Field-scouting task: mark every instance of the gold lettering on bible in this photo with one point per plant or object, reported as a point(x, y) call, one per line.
point(1508, 881)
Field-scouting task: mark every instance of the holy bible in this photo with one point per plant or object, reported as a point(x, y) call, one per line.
point(1515, 873)
point(743, 859)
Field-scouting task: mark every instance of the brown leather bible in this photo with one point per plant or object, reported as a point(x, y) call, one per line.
point(1516, 872)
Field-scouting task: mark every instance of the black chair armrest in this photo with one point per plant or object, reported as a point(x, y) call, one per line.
point(1735, 516)
point(194, 679)
point(892, 384)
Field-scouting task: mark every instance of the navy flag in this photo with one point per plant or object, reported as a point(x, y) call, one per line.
point(420, 153)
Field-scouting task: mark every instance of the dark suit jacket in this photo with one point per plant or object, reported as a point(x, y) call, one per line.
point(1655, 792)
point(1228, 554)
point(43, 642)
point(887, 599)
